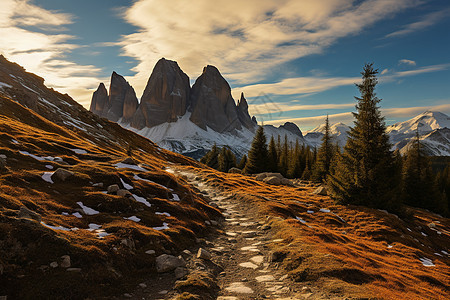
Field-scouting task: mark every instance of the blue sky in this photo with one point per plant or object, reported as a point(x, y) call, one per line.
point(294, 60)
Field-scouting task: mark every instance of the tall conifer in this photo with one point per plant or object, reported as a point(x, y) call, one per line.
point(258, 154)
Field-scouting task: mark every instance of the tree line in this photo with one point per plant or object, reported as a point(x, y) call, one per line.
point(365, 173)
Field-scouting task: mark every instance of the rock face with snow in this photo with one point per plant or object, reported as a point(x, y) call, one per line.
point(433, 128)
point(184, 119)
point(212, 104)
point(339, 134)
point(166, 96)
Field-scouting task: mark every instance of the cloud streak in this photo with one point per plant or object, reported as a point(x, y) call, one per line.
point(31, 36)
point(244, 39)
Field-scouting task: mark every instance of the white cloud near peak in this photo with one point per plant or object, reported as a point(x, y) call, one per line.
point(407, 62)
point(244, 39)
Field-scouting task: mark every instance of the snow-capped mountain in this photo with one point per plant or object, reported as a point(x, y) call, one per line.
point(184, 119)
point(433, 128)
point(339, 133)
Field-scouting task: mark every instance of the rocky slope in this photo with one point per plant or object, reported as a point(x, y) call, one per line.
point(184, 119)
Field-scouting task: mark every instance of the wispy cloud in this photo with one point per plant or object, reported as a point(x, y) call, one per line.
point(425, 22)
point(244, 39)
point(407, 62)
point(31, 36)
point(281, 107)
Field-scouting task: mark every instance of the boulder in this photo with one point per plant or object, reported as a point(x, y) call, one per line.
point(272, 180)
point(65, 261)
point(25, 213)
point(321, 190)
point(235, 171)
point(203, 254)
point(180, 272)
point(113, 188)
point(167, 263)
point(61, 174)
point(124, 193)
point(285, 181)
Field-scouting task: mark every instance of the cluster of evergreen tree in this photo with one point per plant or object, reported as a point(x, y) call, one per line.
point(366, 173)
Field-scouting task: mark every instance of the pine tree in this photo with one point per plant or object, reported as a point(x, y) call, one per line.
point(227, 160)
point(295, 165)
point(211, 159)
point(283, 160)
point(418, 182)
point(258, 154)
point(365, 173)
point(242, 162)
point(324, 155)
point(273, 156)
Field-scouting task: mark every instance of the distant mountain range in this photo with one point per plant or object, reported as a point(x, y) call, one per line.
point(433, 127)
point(184, 119)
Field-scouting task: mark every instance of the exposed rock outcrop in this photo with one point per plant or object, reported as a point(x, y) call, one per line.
point(166, 96)
point(99, 100)
point(212, 104)
point(243, 115)
point(118, 91)
point(291, 127)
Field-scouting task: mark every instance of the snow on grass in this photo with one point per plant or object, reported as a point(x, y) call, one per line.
point(35, 156)
point(93, 226)
point(175, 197)
point(133, 218)
point(390, 246)
point(165, 226)
point(77, 214)
point(424, 234)
point(55, 227)
point(438, 254)
point(15, 142)
point(126, 185)
point(445, 252)
point(79, 151)
point(50, 167)
point(324, 210)
point(65, 213)
point(136, 177)
point(141, 200)
point(47, 176)
point(310, 211)
point(3, 85)
point(339, 217)
point(162, 213)
point(301, 220)
point(127, 166)
point(426, 262)
point(87, 210)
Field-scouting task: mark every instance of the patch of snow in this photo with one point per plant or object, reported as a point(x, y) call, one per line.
point(55, 227)
point(47, 176)
point(175, 197)
point(93, 226)
point(426, 262)
point(126, 185)
point(339, 217)
point(77, 214)
point(424, 234)
point(310, 211)
point(445, 252)
point(162, 213)
point(324, 210)
point(4, 85)
point(438, 254)
point(409, 229)
point(15, 142)
point(79, 151)
point(389, 246)
point(65, 213)
point(127, 166)
point(87, 210)
point(50, 167)
point(165, 226)
point(141, 200)
point(133, 218)
point(35, 156)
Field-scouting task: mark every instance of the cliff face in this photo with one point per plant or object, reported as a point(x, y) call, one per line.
point(212, 104)
point(168, 96)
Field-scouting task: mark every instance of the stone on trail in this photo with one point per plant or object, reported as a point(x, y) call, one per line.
point(239, 288)
point(321, 190)
point(65, 261)
point(203, 254)
point(180, 272)
point(249, 265)
point(113, 188)
point(264, 278)
point(167, 263)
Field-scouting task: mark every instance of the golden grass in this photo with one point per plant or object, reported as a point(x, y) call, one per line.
point(349, 257)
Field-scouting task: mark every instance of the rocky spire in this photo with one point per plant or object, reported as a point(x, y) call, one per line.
point(243, 115)
point(118, 90)
point(212, 104)
point(99, 100)
point(166, 96)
